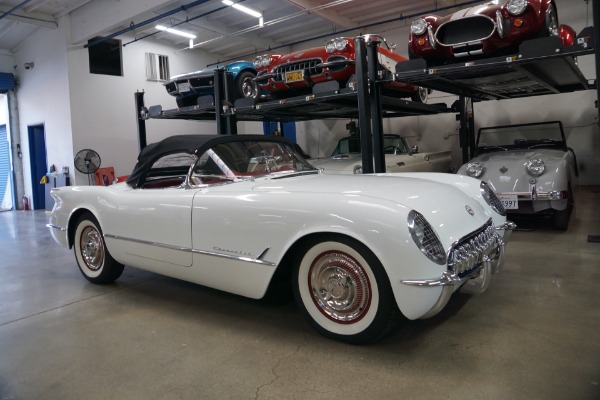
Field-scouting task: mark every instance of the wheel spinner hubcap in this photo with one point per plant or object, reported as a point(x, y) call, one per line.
point(340, 287)
point(92, 249)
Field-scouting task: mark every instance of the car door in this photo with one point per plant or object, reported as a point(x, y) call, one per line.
point(156, 224)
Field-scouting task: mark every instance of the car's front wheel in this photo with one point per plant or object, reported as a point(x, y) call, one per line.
point(94, 261)
point(245, 85)
point(421, 95)
point(343, 290)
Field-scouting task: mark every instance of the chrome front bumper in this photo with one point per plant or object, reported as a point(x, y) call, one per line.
point(534, 195)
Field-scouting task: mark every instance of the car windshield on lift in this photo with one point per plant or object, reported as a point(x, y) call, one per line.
point(244, 159)
point(392, 144)
point(516, 137)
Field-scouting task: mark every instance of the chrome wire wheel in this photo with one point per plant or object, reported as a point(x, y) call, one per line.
point(340, 287)
point(92, 248)
point(94, 261)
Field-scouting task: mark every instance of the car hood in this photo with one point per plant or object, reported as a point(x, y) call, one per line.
point(443, 205)
point(519, 156)
point(346, 161)
point(482, 9)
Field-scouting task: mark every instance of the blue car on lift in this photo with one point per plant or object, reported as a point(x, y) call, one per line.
point(186, 88)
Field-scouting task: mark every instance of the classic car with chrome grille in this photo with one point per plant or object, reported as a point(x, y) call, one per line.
point(529, 167)
point(247, 214)
point(493, 28)
point(399, 157)
point(296, 73)
point(187, 88)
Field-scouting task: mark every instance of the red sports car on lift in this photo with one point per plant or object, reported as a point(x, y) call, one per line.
point(494, 28)
point(296, 73)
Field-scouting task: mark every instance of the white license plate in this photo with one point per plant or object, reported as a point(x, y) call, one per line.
point(183, 87)
point(294, 76)
point(509, 201)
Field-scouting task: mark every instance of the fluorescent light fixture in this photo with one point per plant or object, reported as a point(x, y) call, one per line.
point(242, 8)
point(175, 32)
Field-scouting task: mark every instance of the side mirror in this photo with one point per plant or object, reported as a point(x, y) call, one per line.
point(393, 46)
point(415, 149)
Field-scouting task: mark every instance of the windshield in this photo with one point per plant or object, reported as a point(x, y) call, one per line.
point(392, 144)
point(242, 159)
point(528, 136)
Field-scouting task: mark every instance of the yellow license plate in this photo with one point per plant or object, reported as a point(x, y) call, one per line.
point(294, 76)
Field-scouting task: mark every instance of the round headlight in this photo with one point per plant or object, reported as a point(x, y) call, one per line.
point(491, 199)
point(340, 44)
point(475, 169)
point(418, 26)
point(535, 167)
point(330, 46)
point(516, 7)
point(358, 169)
point(265, 61)
point(425, 238)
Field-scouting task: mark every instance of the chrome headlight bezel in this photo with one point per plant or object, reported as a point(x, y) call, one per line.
point(418, 26)
point(475, 169)
point(262, 61)
point(535, 167)
point(426, 238)
point(491, 199)
point(516, 7)
point(337, 44)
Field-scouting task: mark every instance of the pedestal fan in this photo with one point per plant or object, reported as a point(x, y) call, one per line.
point(87, 162)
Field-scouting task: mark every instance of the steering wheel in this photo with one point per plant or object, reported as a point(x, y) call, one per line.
point(394, 149)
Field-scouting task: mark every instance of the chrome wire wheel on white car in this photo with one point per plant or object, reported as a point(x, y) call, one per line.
point(94, 261)
point(343, 290)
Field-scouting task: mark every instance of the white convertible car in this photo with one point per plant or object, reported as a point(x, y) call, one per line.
point(399, 157)
point(243, 213)
point(529, 167)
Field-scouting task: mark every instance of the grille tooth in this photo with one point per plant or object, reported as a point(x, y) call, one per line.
point(467, 255)
point(310, 66)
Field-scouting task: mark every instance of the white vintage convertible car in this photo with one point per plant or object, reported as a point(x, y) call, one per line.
point(242, 213)
point(529, 167)
point(399, 157)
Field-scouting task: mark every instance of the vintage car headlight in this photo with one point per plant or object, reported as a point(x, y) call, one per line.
point(535, 167)
point(418, 26)
point(491, 199)
point(475, 169)
point(357, 169)
point(262, 61)
point(337, 44)
point(425, 238)
point(516, 7)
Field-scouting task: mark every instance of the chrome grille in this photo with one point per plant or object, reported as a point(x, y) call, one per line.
point(309, 66)
point(467, 255)
point(464, 30)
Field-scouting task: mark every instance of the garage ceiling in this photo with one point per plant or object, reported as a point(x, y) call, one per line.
point(219, 28)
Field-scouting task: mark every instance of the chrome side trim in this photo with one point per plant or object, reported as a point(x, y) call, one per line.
point(56, 227)
point(256, 260)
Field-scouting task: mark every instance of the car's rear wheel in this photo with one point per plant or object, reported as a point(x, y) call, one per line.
point(421, 95)
point(94, 261)
point(343, 290)
point(245, 85)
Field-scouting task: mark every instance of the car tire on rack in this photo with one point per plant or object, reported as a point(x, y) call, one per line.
point(343, 290)
point(94, 261)
point(245, 85)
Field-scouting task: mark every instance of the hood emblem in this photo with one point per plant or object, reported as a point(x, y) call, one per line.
point(503, 170)
point(469, 210)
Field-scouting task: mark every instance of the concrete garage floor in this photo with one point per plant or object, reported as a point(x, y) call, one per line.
point(532, 335)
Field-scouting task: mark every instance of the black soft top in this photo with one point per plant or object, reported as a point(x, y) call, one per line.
point(192, 144)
